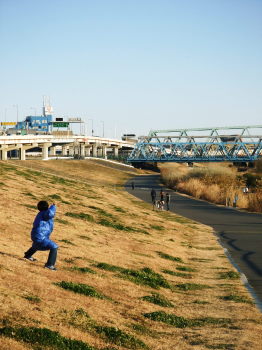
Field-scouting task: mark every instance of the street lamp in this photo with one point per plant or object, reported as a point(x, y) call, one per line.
point(103, 128)
point(92, 127)
point(16, 112)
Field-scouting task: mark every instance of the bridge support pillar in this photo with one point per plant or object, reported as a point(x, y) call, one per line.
point(23, 149)
point(115, 150)
point(71, 150)
point(4, 150)
point(82, 150)
point(94, 150)
point(45, 150)
point(52, 151)
point(64, 150)
point(104, 152)
point(87, 151)
point(100, 152)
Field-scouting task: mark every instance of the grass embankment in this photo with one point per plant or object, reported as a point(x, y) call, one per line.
point(128, 278)
point(217, 183)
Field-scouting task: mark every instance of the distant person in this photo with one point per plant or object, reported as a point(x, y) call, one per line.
point(162, 200)
point(167, 200)
point(133, 185)
point(42, 228)
point(153, 195)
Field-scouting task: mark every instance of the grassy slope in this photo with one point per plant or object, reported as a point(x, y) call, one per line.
point(29, 296)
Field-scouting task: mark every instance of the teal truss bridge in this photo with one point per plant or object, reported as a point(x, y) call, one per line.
point(219, 144)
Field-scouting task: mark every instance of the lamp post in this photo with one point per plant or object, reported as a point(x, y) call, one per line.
point(16, 112)
point(92, 131)
point(103, 127)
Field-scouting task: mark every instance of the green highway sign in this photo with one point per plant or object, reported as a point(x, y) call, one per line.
point(60, 124)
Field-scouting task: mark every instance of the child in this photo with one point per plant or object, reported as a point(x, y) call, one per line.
point(42, 228)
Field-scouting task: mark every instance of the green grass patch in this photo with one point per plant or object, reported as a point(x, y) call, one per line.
point(237, 298)
point(66, 241)
point(143, 330)
point(201, 302)
point(81, 288)
point(181, 322)
point(144, 276)
point(229, 275)
point(101, 211)
point(121, 227)
point(118, 337)
point(61, 221)
point(108, 267)
point(61, 181)
point(30, 206)
point(201, 259)
point(191, 286)
point(44, 337)
point(157, 227)
point(185, 268)
point(32, 298)
point(119, 209)
point(82, 216)
point(81, 320)
point(169, 257)
point(158, 299)
point(29, 194)
point(82, 269)
point(85, 237)
point(178, 274)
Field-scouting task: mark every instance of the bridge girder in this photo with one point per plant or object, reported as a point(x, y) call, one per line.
point(214, 147)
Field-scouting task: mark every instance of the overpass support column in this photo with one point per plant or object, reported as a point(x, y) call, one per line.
point(116, 151)
point(104, 152)
point(4, 149)
point(45, 150)
point(82, 150)
point(94, 150)
point(100, 152)
point(64, 150)
point(71, 150)
point(23, 149)
point(52, 151)
point(22, 153)
point(87, 151)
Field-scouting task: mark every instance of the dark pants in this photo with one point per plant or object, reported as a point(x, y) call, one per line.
point(51, 257)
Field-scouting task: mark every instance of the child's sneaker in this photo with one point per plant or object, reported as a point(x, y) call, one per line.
point(30, 258)
point(50, 267)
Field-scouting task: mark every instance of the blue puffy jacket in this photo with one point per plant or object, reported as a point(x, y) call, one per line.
point(42, 228)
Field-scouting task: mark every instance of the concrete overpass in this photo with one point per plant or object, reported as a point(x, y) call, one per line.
point(70, 145)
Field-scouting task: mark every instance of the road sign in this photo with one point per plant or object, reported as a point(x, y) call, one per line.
point(8, 123)
point(60, 124)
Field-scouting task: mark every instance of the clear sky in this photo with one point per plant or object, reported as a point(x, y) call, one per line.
point(133, 65)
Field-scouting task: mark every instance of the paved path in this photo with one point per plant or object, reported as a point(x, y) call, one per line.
point(239, 231)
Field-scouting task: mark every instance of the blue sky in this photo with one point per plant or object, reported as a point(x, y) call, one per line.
point(133, 65)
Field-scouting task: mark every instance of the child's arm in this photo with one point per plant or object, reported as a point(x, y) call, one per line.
point(50, 212)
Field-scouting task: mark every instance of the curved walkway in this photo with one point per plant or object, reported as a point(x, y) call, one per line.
point(240, 232)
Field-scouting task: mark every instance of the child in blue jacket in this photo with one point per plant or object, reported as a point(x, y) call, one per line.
point(42, 228)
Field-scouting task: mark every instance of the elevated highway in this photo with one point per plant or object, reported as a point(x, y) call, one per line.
point(69, 145)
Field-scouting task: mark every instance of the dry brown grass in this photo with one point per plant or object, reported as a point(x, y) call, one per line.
point(215, 183)
point(29, 297)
